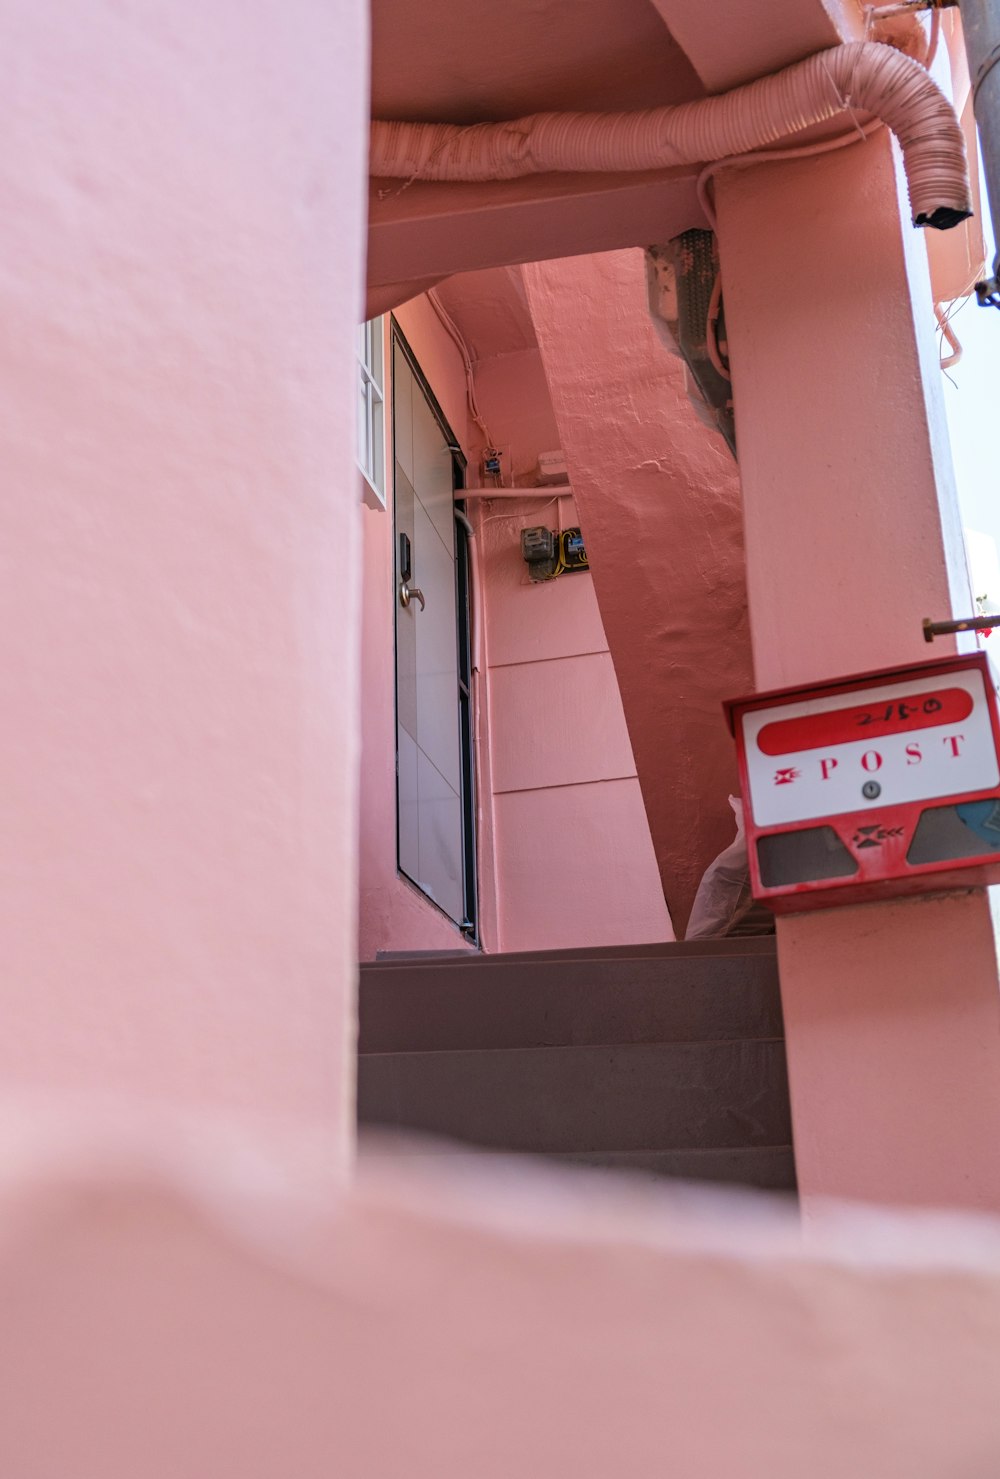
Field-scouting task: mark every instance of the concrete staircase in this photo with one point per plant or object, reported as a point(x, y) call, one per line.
point(668, 1059)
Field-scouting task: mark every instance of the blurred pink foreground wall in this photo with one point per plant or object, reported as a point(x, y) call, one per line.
point(184, 1306)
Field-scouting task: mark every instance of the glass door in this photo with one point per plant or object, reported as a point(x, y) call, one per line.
point(433, 720)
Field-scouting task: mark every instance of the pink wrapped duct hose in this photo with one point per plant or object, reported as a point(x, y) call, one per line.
point(865, 77)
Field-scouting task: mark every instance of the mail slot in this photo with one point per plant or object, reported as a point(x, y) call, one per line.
point(871, 787)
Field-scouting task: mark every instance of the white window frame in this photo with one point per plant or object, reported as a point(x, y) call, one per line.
point(371, 411)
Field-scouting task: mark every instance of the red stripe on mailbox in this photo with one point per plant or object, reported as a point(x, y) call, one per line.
point(865, 722)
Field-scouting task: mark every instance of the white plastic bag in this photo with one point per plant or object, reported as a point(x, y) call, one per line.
point(724, 900)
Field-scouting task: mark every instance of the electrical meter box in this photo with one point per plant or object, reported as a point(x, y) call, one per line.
point(871, 787)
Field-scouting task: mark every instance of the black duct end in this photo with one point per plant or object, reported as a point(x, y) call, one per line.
point(696, 264)
point(944, 218)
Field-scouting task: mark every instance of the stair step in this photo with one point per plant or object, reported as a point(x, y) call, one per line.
point(570, 1000)
point(662, 1096)
point(660, 950)
point(766, 1167)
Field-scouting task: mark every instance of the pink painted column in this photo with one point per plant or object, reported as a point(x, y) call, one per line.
point(182, 196)
point(892, 1010)
point(659, 504)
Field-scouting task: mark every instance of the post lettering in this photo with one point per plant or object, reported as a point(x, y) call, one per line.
point(954, 740)
point(913, 755)
point(826, 766)
point(871, 760)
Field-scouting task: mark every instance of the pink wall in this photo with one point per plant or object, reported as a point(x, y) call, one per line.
point(565, 856)
point(659, 501)
point(182, 198)
point(574, 856)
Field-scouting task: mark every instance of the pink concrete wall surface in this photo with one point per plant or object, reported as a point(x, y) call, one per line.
point(189, 1309)
point(565, 856)
point(181, 190)
point(659, 501)
point(575, 860)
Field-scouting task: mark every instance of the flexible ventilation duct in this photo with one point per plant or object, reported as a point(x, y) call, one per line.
point(864, 76)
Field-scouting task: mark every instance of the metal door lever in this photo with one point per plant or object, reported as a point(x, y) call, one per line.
point(408, 593)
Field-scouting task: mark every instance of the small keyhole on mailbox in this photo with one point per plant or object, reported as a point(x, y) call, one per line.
point(405, 557)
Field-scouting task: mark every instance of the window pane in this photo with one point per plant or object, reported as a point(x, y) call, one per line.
point(375, 352)
point(370, 442)
point(378, 433)
point(364, 444)
point(370, 411)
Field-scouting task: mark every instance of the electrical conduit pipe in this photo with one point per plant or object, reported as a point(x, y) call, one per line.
point(865, 77)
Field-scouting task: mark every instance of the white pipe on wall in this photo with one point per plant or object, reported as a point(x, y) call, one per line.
point(550, 491)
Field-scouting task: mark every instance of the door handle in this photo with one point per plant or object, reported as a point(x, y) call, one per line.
point(408, 593)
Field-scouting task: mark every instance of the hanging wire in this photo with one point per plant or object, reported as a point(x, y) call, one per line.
point(470, 380)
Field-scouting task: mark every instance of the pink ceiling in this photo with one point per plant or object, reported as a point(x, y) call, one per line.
point(492, 310)
point(496, 59)
point(456, 61)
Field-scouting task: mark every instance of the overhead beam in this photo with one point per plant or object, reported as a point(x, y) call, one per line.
point(422, 232)
point(725, 51)
point(433, 230)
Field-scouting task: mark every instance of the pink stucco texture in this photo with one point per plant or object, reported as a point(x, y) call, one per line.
point(659, 502)
point(183, 215)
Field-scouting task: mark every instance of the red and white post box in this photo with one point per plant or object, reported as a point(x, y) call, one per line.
point(870, 787)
